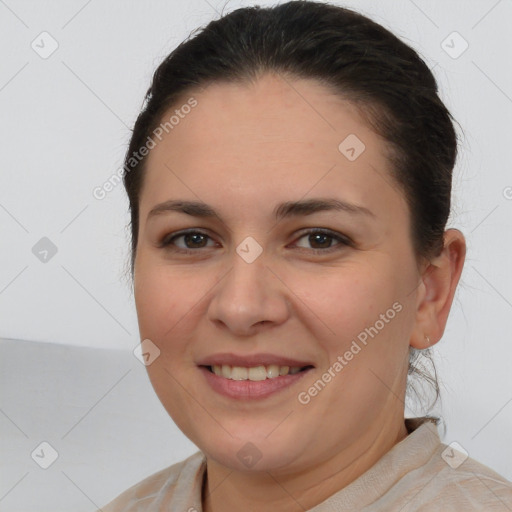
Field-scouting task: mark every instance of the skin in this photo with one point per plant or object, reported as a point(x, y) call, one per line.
point(242, 150)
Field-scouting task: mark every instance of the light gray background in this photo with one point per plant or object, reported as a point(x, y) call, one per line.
point(68, 376)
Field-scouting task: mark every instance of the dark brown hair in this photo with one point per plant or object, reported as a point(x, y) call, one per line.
point(350, 54)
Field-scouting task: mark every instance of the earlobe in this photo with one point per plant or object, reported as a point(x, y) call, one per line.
point(439, 281)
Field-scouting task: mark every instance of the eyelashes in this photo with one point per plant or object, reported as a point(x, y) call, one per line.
point(314, 235)
point(168, 241)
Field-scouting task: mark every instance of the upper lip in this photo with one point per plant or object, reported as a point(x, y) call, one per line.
point(262, 359)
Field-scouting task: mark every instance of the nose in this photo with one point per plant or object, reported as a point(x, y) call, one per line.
point(249, 296)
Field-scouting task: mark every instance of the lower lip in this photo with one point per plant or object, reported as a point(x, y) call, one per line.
point(250, 389)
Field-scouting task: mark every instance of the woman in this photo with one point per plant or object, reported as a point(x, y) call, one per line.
point(289, 180)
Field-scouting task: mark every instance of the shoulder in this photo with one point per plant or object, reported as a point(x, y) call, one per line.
point(452, 481)
point(162, 485)
point(422, 474)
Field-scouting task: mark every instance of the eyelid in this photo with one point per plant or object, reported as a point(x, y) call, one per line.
point(343, 240)
point(167, 239)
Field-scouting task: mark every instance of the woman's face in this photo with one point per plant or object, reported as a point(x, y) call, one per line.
point(256, 289)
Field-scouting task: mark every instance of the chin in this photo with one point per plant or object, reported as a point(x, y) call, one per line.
point(251, 454)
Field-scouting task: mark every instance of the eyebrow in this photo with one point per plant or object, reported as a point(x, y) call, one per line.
point(286, 209)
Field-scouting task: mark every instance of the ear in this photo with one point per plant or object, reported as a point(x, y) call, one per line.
point(437, 289)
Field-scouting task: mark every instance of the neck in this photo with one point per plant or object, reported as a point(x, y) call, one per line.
point(226, 490)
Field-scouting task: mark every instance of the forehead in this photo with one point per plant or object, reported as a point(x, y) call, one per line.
point(275, 139)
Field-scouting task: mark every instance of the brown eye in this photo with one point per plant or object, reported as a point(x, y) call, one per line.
point(192, 240)
point(321, 240)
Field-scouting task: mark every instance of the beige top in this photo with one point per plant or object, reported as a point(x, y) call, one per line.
point(418, 474)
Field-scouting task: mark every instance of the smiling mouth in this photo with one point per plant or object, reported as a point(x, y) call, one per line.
point(255, 373)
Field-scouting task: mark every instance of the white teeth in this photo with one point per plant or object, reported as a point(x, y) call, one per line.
point(257, 373)
point(254, 373)
point(272, 371)
point(239, 373)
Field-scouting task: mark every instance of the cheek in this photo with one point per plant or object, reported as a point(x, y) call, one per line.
point(163, 296)
point(347, 299)
point(170, 302)
point(362, 317)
